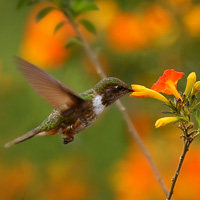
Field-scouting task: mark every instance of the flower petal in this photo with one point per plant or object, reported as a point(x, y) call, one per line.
point(173, 75)
point(165, 120)
point(143, 92)
point(168, 83)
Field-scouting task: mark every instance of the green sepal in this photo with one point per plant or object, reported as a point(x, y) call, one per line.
point(59, 26)
point(168, 112)
point(88, 25)
point(186, 111)
point(73, 41)
point(42, 13)
point(172, 105)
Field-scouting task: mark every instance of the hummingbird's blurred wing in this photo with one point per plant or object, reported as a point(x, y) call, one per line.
point(52, 90)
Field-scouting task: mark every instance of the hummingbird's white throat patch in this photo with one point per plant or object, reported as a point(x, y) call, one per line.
point(97, 104)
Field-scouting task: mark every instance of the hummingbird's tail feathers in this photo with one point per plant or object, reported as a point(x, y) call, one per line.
point(24, 137)
point(46, 133)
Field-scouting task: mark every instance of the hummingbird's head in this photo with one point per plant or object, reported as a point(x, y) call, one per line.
point(111, 89)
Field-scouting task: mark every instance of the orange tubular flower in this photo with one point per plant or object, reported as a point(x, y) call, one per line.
point(168, 83)
point(143, 92)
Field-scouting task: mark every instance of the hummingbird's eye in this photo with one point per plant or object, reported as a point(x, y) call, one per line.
point(119, 87)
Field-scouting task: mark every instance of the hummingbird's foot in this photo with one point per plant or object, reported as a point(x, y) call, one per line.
point(68, 139)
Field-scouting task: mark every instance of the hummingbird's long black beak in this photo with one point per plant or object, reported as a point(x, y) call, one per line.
point(129, 89)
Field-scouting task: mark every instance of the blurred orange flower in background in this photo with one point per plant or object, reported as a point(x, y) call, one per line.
point(180, 5)
point(15, 180)
point(179, 2)
point(157, 22)
point(65, 181)
point(188, 183)
point(59, 180)
point(134, 179)
point(134, 31)
point(126, 33)
point(40, 45)
point(192, 22)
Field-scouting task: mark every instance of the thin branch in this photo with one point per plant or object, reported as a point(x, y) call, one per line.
point(120, 106)
point(187, 143)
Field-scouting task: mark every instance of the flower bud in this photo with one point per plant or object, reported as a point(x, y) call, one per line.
point(196, 88)
point(165, 120)
point(191, 79)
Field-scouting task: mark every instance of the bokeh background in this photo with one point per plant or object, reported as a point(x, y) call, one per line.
point(135, 41)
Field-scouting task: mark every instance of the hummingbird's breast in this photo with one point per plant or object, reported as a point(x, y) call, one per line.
point(87, 118)
point(83, 121)
point(98, 105)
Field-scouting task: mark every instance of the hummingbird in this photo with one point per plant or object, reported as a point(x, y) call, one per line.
point(72, 113)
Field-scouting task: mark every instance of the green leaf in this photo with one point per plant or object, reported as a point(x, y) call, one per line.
point(88, 25)
point(73, 41)
point(198, 117)
point(89, 7)
point(43, 13)
point(21, 3)
point(79, 7)
point(59, 26)
point(32, 2)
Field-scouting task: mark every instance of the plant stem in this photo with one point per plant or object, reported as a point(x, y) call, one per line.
point(120, 106)
point(187, 143)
